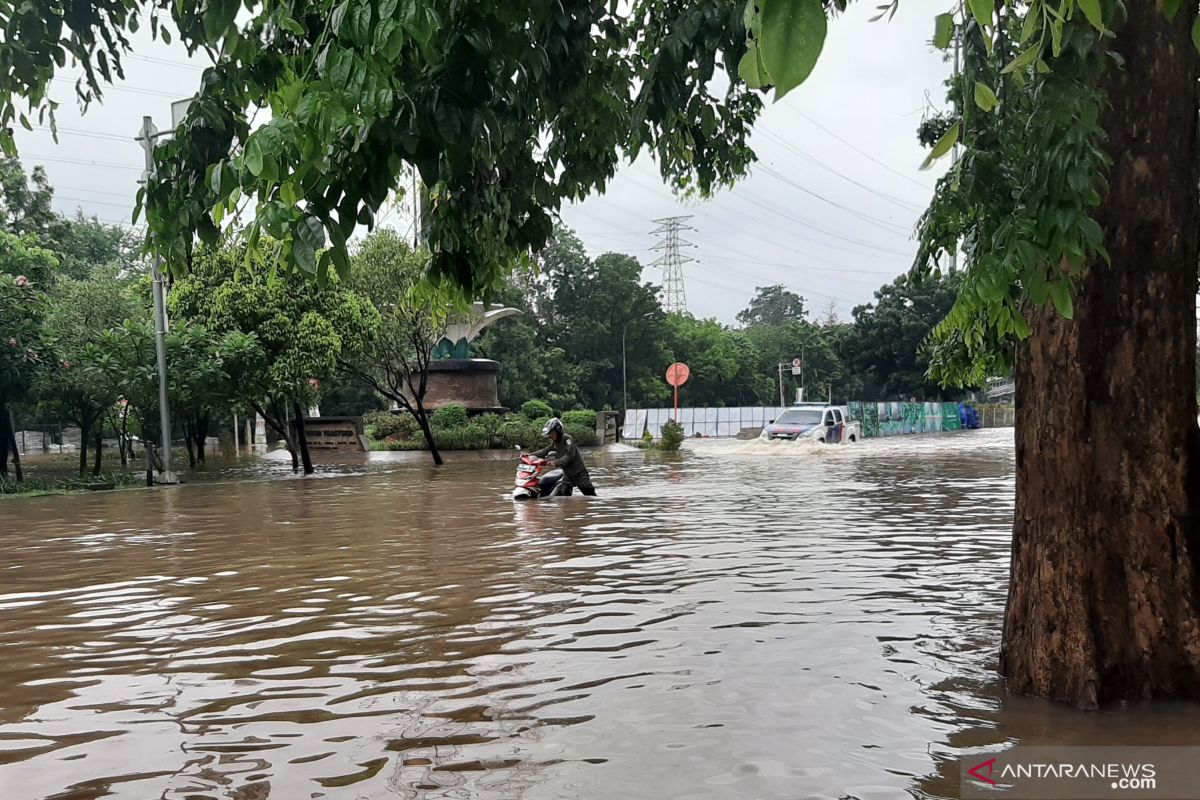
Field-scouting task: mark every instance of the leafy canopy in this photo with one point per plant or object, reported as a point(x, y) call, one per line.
point(504, 108)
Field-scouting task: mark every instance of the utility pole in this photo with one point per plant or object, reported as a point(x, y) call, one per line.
point(672, 261)
point(954, 149)
point(146, 138)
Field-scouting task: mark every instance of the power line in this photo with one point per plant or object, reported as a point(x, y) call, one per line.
point(120, 87)
point(789, 217)
point(860, 151)
point(170, 62)
point(56, 160)
point(115, 137)
point(818, 163)
point(900, 230)
point(125, 206)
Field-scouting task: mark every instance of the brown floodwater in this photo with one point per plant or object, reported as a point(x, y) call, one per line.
point(741, 621)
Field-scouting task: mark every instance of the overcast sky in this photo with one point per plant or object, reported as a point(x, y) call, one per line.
point(828, 211)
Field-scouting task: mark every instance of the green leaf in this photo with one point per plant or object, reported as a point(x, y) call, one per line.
point(1170, 8)
point(981, 10)
point(1022, 61)
point(304, 256)
point(943, 31)
point(253, 157)
point(948, 140)
point(985, 98)
point(1060, 293)
point(791, 39)
point(1030, 26)
point(310, 231)
point(292, 26)
point(1091, 10)
point(219, 15)
point(1021, 326)
point(750, 68)
point(1196, 33)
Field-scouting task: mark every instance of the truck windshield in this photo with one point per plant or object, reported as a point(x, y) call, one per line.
point(799, 417)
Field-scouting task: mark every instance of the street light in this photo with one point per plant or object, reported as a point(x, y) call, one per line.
point(624, 383)
point(146, 137)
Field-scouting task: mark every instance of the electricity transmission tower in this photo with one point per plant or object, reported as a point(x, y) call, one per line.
point(672, 261)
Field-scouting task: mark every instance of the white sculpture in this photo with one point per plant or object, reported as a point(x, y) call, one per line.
point(460, 331)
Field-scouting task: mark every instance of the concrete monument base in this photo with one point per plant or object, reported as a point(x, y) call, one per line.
point(469, 382)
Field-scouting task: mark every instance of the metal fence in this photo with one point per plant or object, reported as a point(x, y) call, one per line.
point(877, 419)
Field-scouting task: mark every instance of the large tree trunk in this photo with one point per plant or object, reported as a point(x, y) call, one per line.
point(1103, 600)
point(302, 438)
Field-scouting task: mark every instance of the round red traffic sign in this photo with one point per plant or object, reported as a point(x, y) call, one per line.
point(677, 374)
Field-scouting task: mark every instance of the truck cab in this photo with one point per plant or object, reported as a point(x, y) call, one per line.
point(813, 422)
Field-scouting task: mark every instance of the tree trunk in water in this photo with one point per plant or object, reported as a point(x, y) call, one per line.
point(187, 442)
point(85, 433)
point(1103, 600)
point(98, 442)
point(423, 421)
point(201, 431)
point(5, 439)
point(302, 439)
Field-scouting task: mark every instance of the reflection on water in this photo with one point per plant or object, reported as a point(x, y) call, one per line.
point(717, 625)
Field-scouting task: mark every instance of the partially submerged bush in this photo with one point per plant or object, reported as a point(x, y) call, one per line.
point(672, 436)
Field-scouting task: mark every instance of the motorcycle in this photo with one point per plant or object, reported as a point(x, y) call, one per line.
point(533, 481)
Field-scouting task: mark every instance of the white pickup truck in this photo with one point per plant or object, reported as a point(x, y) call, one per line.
point(818, 423)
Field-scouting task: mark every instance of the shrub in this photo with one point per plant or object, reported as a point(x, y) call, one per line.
point(447, 417)
point(583, 436)
point(382, 424)
point(672, 436)
point(585, 419)
point(467, 437)
point(519, 432)
point(489, 422)
point(537, 409)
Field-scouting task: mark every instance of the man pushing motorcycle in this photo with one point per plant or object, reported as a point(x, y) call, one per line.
point(566, 458)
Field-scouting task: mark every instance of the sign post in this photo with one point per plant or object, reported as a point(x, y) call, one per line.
point(677, 375)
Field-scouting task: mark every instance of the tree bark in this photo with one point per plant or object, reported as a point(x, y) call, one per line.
point(302, 438)
point(200, 427)
point(187, 442)
point(423, 421)
point(98, 443)
point(1105, 589)
point(8, 445)
point(85, 433)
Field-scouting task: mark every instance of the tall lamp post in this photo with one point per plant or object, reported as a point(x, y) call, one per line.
point(146, 138)
point(624, 382)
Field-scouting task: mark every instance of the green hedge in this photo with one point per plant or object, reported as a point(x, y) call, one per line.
point(537, 409)
point(585, 419)
point(484, 432)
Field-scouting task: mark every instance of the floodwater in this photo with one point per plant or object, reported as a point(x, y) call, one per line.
point(741, 621)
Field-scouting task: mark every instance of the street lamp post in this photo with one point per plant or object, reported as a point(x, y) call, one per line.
point(147, 137)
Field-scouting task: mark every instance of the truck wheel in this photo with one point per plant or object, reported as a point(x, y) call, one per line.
point(852, 439)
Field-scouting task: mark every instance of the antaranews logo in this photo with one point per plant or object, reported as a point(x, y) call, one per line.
point(1091, 773)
